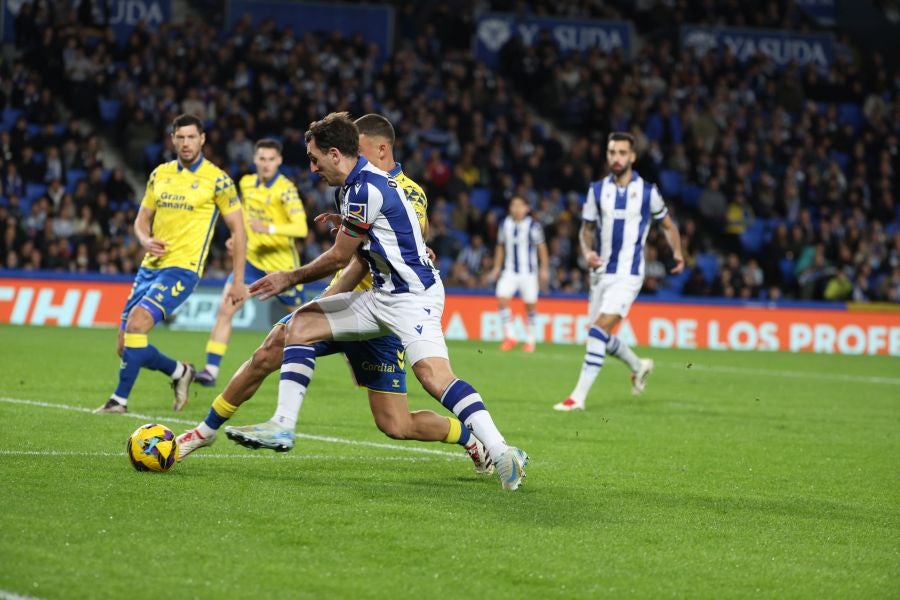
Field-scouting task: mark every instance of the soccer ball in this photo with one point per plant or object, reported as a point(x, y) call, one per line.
point(152, 447)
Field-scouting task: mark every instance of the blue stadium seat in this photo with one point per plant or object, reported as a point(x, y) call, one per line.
point(754, 236)
point(708, 265)
point(786, 267)
point(670, 183)
point(481, 198)
point(33, 191)
point(151, 153)
point(10, 115)
point(461, 236)
point(690, 195)
point(675, 283)
point(109, 109)
point(73, 176)
point(850, 113)
point(841, 158)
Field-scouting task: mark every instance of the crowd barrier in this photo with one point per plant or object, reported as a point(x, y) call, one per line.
point(830, 328)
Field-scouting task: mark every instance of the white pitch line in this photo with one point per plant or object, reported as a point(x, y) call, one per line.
point(307, 436)
point(4, 595)
point(242, 456)
point(844, 377)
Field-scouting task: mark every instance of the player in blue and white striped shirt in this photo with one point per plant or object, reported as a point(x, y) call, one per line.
point(407, 298)
point(615, 221)
point(521, 253)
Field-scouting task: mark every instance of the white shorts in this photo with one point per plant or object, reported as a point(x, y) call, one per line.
point(524, 283)
point(613, 294)
point(414, 318)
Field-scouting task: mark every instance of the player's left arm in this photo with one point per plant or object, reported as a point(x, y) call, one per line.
point(543, 256)
point(228, 202)
point(670, 230)
point(543, 265)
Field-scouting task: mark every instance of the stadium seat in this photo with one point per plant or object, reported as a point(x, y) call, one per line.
point(73, 176)
point(152, 152)
point(109, 109)
point(786, 267)
point(481, 198)
point(754, 236)
point(850, 113)
point(670, 183)
point(10, 115)
point(708, 265)
point(675, 283)
point(33, 191)
point(461, 236)
point(690, 195)
point(841, 158)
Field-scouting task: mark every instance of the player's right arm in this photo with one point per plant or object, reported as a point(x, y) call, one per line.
point(587, 234)
point(499, 255)
point(143, 223)
point(143, 230)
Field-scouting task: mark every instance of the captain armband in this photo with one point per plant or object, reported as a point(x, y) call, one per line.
point(355, 229)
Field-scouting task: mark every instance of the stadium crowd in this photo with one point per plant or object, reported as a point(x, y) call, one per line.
point(784, 183)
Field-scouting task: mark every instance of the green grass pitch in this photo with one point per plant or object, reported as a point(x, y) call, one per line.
point(734, 475)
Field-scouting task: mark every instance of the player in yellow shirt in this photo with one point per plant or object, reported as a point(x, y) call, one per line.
point(274, 216)
point(175, 225)
point(377, 364)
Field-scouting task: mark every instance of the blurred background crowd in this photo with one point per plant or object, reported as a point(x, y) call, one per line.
point(783, 181)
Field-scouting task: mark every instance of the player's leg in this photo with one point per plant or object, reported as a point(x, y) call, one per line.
point(529, 289)
point(143, 312)
point(611, 299)
point(416, 320)
point(266, 359)
point(506, 289)
point(640, 367)
point(379, 365)
point(318, 321)
point(217, 344)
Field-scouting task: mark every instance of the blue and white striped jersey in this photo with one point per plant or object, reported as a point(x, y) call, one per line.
point(520, 240)
point(394, 248)
point(624, 218)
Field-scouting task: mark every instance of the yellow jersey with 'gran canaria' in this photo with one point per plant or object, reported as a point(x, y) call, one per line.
point(416, 196)
point(187, 202)
point(277, 204)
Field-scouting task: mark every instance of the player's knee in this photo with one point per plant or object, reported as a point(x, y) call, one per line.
point(266, 359)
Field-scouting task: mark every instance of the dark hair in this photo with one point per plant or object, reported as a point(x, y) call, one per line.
point(186, 120)
point(621, 136)
point(335, 130)
point(268, 143)
point(377, 126)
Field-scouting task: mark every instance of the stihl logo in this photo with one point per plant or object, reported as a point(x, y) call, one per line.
point(44, 305)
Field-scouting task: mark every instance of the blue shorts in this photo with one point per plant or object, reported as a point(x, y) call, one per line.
point(159, 291)
point(293, 297)
point(378, 364)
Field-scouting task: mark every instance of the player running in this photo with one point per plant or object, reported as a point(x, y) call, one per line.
point(274, 218)
point(175, 224)
point(377, 364)
point(623, 203)
point(522, 254)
